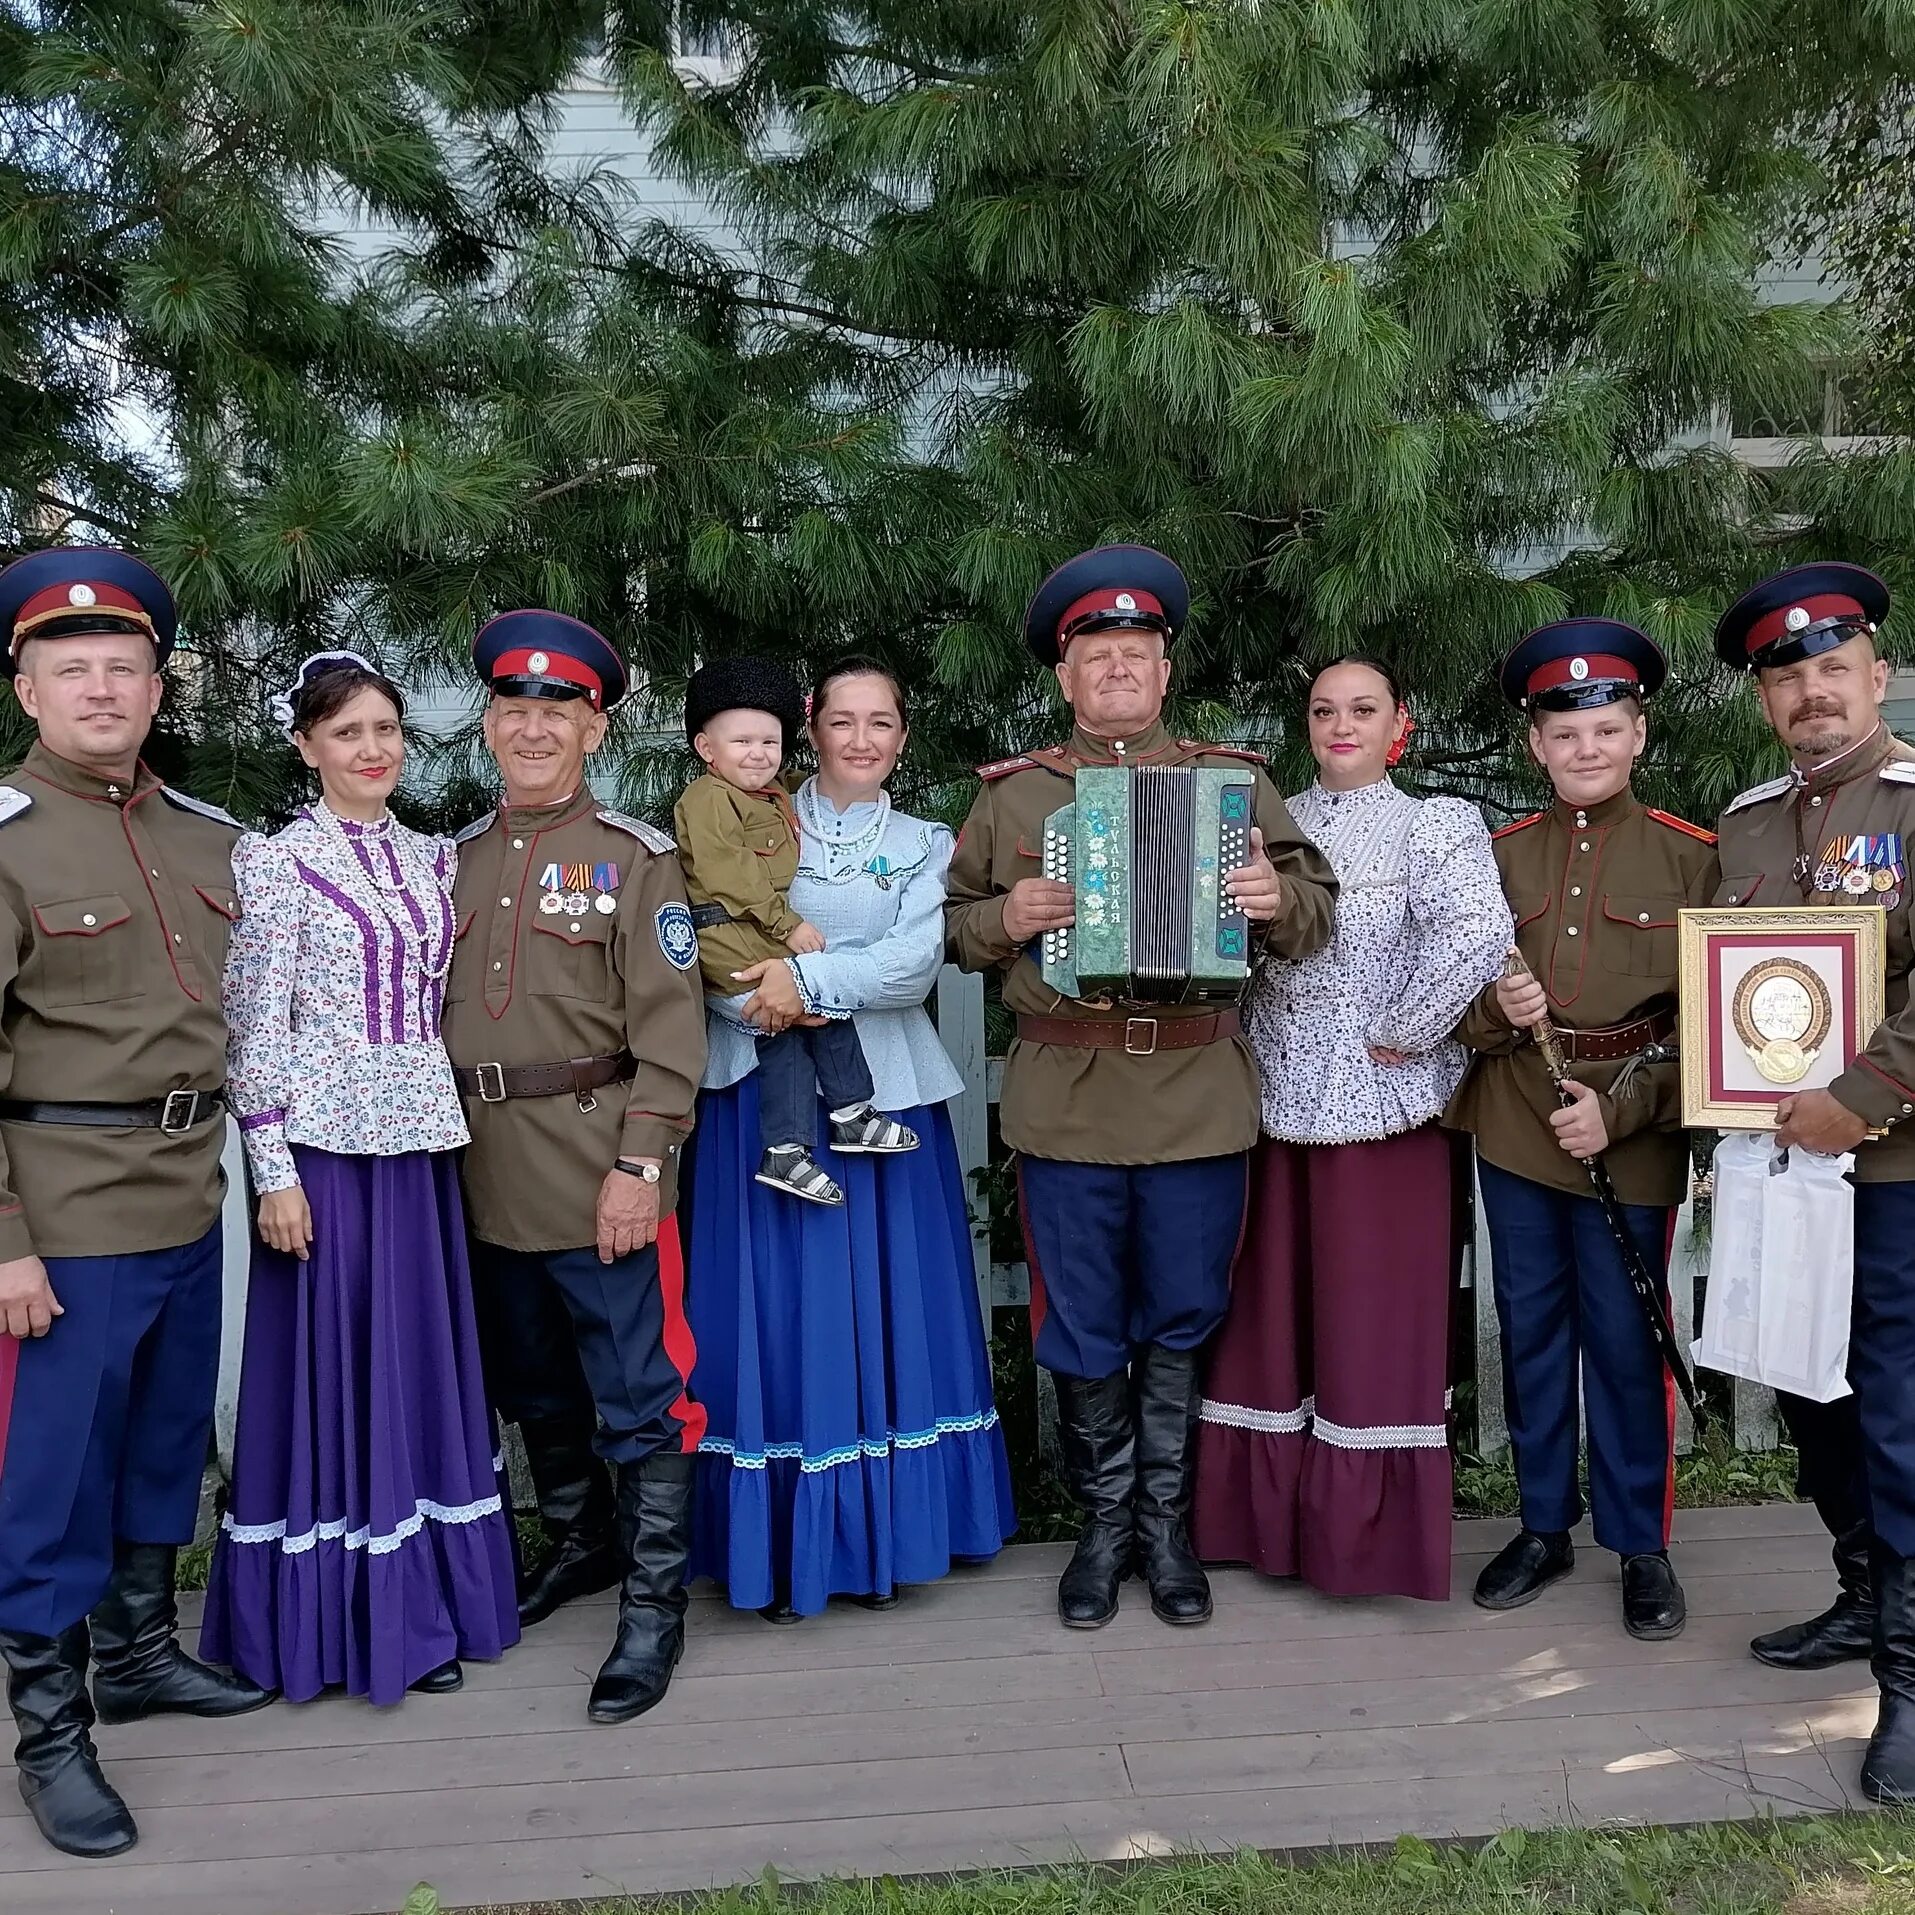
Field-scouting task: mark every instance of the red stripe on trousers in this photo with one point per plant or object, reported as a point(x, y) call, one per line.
point(1669, 1396)
point(1040, 1303)
point(679, 1346)
point(9, 1368)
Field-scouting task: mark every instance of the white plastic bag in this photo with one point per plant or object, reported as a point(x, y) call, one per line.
point(1781, 1268)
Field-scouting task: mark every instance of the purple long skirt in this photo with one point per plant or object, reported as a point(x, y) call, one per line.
point(1322, 1450)
point(366, 1540)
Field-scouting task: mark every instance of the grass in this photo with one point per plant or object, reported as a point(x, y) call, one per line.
point(1843, 1865)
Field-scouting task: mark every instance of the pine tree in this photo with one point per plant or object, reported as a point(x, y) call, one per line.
point(1403, 324)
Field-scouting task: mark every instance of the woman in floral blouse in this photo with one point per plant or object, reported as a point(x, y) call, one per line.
point(1322, 1449)
point(366, 1545)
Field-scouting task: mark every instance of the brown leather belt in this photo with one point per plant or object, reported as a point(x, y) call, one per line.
point(1139, 1036)
point(494, 1083)
point(1617, 1041)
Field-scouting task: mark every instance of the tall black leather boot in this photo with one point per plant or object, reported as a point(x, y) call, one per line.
point(1888, 1770)
point(574, 1489)
point(1168, 1391)
point(1100, 1469)
point(78, 1810)
point(655, 1531)
point(139, 1669)
point(1843, 1632)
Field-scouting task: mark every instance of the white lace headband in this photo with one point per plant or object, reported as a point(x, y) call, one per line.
point(280, 705)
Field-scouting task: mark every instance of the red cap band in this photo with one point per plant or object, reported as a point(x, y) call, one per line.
point(560, 665)
point(1562, 671)
point(1824, 605)
point(58, 601)
point(1108, 601)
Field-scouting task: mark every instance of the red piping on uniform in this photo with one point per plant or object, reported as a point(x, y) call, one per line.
point(680, 1350)
point(1582, 930)
point(1040, 1303)
point(1899, 1088)
point(166, 932)
point(512, 969)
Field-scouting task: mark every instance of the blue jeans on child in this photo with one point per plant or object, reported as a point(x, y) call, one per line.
point(795, 1066)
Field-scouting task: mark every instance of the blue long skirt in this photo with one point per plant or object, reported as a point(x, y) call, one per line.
point(853, 1444)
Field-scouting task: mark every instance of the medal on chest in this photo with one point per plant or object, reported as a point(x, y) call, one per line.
point(574, 889)
point(1867, 866)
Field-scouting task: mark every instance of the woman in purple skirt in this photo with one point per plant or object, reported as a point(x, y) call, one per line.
point(366, 1545)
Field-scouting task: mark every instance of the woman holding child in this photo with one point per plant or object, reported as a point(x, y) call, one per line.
point(852, 1445)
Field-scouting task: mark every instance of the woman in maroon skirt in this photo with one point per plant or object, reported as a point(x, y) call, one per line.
point(1322, 1449)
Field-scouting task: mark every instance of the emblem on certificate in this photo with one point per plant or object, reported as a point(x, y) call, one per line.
point(1775, 1002)
point(1783, 1014)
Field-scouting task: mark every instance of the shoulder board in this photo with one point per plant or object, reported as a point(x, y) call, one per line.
point(1222, 751)
point(1674, 823)
point(12, 802)
point(476, 829)
point(1757, 793)
point(1518, 824)
point(1003, 768)
point(660, 843)
point(200, 806)
point(1899, 771)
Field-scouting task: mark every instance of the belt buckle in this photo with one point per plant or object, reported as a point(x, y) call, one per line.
point(1131, 1027)
point(496, 1094)
point(179, 1112)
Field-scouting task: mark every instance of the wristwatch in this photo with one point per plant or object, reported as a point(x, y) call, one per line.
point(645, 1173)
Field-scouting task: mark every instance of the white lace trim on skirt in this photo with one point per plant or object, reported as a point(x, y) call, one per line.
point(1375, 1436)
point(423, 1511)
point(1240, 1416)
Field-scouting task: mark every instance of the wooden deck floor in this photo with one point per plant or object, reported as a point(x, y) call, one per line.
point(965, 1728)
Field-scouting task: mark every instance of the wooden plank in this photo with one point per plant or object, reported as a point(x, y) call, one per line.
point(960, 1021)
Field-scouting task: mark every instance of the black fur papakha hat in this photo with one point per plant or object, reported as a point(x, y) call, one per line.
point(744, 684)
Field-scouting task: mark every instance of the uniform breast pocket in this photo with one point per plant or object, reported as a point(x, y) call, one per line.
point(88, 947)
point(1639, 935)
point(215, 927)
point(459, 978)
point(570, 957)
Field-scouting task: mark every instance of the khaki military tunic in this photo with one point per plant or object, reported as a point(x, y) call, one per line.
point(1594, 894)
point(739, 850)
point(1764, 833)
point(1108, 1106)
point(116, 903)
point(531, 986)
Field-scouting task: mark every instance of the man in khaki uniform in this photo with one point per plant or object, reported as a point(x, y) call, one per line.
point(576, 1029)
point(1594, 884)
point(1837, 831)
point(1131, 1122)
point(116, 896)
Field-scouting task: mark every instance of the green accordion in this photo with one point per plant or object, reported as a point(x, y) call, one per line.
point(1145, 848)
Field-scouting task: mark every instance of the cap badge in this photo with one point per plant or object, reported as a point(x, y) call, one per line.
point(81, 595)
point(1797, 619)
point(537, 662)
point(1125, 603)
point(1579, 669)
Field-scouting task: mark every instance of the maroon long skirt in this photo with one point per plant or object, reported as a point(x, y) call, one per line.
point(1322, 1450)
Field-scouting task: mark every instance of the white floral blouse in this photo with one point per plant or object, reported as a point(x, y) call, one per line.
point(1421, 928)
point(333, 989)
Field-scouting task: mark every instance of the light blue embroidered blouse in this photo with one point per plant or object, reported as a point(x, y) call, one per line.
point(872, 880)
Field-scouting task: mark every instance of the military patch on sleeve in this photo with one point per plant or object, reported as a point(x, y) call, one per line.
point(12, 802)
point(656, 841)
point(676, 938)
point(200, 806)
point(476, 829)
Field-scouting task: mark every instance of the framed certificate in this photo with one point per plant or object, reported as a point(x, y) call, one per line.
point(1774, 1002)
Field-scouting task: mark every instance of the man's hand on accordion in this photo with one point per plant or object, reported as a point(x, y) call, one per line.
point(1255, 888)
point(1033, 906)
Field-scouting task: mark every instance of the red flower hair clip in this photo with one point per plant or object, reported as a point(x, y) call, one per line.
point(1396, 750)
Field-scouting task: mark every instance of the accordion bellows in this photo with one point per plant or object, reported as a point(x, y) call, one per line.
point(1145, 849)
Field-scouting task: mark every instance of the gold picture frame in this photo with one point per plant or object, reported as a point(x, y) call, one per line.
point(1774, 1002)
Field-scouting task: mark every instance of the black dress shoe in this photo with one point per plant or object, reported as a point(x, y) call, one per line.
point(1524, 1567)
point(780, 1612)
point(889, 1600)
point(440, 1681)
point(1653, 1608)
point(139, 1669)
point(73, 1805)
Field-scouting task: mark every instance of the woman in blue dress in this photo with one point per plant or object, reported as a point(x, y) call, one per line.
point(853, 1445)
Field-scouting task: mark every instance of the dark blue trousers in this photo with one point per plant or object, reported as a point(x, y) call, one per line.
point(107, 1434)
point(1882, 1356)
point(1563, 1298)
point(560, 1330)
point(1127, 1254)
point(796, 1068)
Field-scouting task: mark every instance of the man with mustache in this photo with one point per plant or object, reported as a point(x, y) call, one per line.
point(1834, 831)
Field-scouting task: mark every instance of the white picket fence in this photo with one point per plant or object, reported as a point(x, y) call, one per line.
point(959, 1007)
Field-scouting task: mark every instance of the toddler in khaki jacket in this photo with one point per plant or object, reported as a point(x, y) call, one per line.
point(738, 844)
